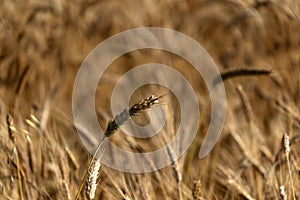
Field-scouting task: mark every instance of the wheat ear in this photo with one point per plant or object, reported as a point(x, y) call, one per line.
point(285, 143)
point(282, 193)
point(91, 181)
point(125, 115)
point(240, 72)
point(11, 131)
point(112, 127)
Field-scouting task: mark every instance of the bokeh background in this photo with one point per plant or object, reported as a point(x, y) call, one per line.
point(43, 43)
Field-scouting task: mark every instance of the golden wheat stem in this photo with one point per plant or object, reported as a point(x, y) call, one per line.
point(91, 183)
point(11, 131)
point(282, 193)
point(113, 126)
point(88, 169)
point(19, 175)
point(287, 149)
point(197, 190)
point(246, 104)
point(176, 172)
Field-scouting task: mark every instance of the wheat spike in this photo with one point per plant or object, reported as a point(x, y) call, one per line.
point(282, 193)
point(91, 180)
point(240, 72)
point(285, 143)
point(124, 116)
point(112, 127)
point(197, 190)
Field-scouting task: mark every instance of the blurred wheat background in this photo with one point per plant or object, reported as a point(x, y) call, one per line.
point(43, 43)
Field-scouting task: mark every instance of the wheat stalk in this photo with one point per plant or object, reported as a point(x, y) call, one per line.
point(240, 72)
point(124, 116)
point(282, 193)
point(285, 143)
point(112, 126)
point(91, 182)
point(246, 104)
point(11, 131)
point(176, 173)
point(197, 190)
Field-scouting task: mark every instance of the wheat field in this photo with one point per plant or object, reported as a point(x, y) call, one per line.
point(42, 45)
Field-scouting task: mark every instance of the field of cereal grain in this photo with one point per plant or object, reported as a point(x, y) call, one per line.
point(43, 43)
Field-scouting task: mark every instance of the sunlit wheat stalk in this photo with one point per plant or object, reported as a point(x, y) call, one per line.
point(233, 183)
point(176, 172)
point(282, 193)
point(285, 143)
point(91, 182)
point(11, 131)
point(246, 104)
point(197, 190)
point(289, 110)
point(112, 127)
